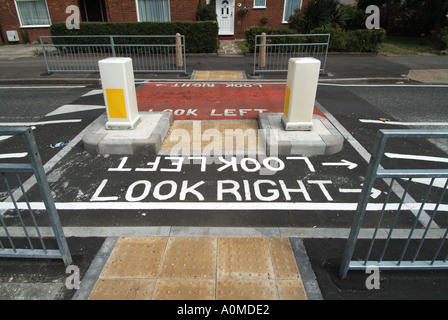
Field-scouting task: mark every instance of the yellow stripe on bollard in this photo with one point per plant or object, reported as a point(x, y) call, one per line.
point(116, 103)
point(287, 95)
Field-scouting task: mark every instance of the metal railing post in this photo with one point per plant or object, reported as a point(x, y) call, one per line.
point(112, 45)
point(45, 55)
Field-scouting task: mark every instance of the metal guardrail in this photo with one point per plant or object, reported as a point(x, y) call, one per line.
point(81, 53)
point(407, 259)
point(272, 52)
point(34, 247)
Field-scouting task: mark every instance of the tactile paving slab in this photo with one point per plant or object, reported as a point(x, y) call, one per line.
point(200, 268)
point(244, 258)
point(135, 258)
point(185, 289)
point(218, 75)
point(189, 258)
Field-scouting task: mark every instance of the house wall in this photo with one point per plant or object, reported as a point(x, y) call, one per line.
point(274, 9)
point(125, 10)
point(9, 19)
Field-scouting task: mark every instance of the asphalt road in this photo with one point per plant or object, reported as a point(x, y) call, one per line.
point(317, 193)
point(323, 176)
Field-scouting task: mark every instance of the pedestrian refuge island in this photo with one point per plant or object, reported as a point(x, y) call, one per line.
point(123, 129)
point(298, 131)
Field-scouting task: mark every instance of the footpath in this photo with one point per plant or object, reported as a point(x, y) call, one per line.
point(213, 263)
point(23, 64)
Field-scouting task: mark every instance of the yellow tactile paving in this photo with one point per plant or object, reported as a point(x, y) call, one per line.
point(212, 136)
point(123, 289)
point(189, 258)
point(200, 268)
point(246, 290)
point(218, 75)
point(135, 258)
point(244, 258)
point(184, 289)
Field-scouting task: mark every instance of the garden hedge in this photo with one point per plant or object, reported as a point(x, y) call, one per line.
point(361, 40)
point(200, 36)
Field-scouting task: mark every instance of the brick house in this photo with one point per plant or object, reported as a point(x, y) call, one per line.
point(35, 16)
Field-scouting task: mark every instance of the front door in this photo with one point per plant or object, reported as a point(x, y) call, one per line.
point(225, 12)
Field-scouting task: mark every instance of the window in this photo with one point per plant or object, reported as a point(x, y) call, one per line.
point(290, 6)
point(153, 10)
point(259, 4)
point(33, 13)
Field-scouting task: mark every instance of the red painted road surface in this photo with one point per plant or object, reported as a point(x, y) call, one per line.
point(213, 101)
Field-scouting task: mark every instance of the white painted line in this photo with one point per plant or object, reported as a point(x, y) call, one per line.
point(5, 137)
point(438, 183)
point(377, 85)
point(93, 92)
point(399, 123)
point(396, 188)
point(38, 123)
point(43, 87)
point(71, 108)
point(415, 157)
point(13, 155)
point(250, 206)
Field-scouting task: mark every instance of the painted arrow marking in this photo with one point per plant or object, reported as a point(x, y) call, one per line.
point(375, 193)
point(345, 163)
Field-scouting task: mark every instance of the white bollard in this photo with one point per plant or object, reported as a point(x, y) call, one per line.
point(301, 87)
point(117, 78)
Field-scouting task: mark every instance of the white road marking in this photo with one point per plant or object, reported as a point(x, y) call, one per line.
point(37, 123)
point(13, 155)
point(93, 92)
point(399, 123)
point(70, 108)
point(376, 85)
point(424, 219)
point(43, 87)
point(439, 182)
point(415, 157)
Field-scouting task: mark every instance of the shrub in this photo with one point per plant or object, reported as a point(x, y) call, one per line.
point(206, 13)
point(251, 32)
point(200, 36)
point(443, 37)
point(319, 13)
point(361, 40)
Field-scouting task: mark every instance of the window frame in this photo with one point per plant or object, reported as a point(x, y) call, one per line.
point(138, 14)
point(33, 25)
point(284, 10)
point(259, 7)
